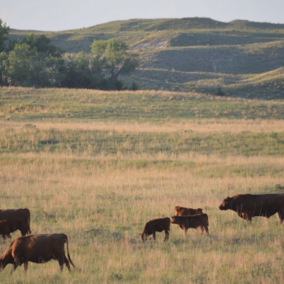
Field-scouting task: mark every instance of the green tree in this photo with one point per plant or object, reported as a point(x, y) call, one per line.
point(34, 61)
point(3, 78)
point(4, 30)
point(114, 58)
point(42, 45)
point(81, 74)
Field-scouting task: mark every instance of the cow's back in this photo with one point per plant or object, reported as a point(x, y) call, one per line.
point(183, 211)
point(260, 204)
point(38, 245)
point(158, 225)
point(15, 215)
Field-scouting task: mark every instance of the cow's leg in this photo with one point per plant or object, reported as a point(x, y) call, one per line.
point(166, 235)
point(206, 229)
point(185, 231)
point(66, 262)
point(249, 219)
point(61, 261)
point(281, 215)
point(154, 236)
point(202, 229)
point(26, 266)
point(15, 265)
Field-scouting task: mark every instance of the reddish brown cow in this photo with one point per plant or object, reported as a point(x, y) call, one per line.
point(5, 229)
point(183, 211)
point(248, 205)
point(17, 219)
point(156, 225)
point(37, 249)
point(193, 221)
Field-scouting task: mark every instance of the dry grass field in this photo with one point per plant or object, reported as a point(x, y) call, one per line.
point(99, 179)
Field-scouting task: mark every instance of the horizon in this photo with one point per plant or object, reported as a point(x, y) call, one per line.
point(57, 16)
point(141, 19)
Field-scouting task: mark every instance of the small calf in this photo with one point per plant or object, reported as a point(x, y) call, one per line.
point(193, 221)
point(156, 225)
point(183, 211)
point(5, 229)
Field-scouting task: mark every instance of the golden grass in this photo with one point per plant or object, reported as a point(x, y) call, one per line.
point(102, 201)
point(103, 210)
point(204, 126)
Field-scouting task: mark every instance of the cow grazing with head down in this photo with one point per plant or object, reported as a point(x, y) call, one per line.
point(37, 249)
point(156, 225)
point(249, 205)
point(17, 219)
point(183, 211)
point(5, 229)
point(193, 221)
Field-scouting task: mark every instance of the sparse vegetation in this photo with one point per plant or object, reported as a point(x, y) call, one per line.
point(99, 178)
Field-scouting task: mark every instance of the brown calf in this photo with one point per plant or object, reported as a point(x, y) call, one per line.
point(156, 225)
point(183, 211)
point(37, 249)
point(193, 221)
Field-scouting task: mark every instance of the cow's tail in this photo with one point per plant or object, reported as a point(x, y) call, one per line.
point(69, 258)
point(29, 223)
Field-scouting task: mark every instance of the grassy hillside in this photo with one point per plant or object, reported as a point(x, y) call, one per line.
point(98, 165)
point(180, 48)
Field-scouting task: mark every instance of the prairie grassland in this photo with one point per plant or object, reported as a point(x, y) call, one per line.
point(100, 179)
point(67, 105)
point(102, 205)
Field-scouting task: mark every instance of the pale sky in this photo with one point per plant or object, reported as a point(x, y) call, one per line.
point(58, 15)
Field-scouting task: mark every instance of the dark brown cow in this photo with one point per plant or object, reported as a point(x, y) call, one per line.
point(38, 249)
point(248, 205)
point(183, 211)
point(17, 219)
point(156, 225)
point(5, 229)
point(193, 221)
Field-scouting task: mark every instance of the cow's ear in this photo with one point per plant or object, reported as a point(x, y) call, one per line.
point(228, 198)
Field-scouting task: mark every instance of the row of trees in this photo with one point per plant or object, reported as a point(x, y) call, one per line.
point(34, 61)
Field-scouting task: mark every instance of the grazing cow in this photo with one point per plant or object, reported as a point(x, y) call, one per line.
point(5, 229)
point(17, 219)
point(249, 205)
point(156, 225)
point(38, 249)
point(193, 221)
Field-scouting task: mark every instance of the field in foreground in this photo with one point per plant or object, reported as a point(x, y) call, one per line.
point(100, 180)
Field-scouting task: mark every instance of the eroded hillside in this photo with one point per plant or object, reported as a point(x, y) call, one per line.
point(193, 54)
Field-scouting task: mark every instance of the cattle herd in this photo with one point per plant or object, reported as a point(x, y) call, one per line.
point(246, 206)
point(42, 248)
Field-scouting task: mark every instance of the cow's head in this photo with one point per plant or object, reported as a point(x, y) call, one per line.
point(173, 221)
point(3, 263)
point(226, 204)
point(143, 237)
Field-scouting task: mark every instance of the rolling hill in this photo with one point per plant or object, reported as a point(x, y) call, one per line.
point(240, 58)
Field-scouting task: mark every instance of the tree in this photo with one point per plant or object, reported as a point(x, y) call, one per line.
point(80, 73)
point(4, 30)
point(114, 58)
point(34, 61)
